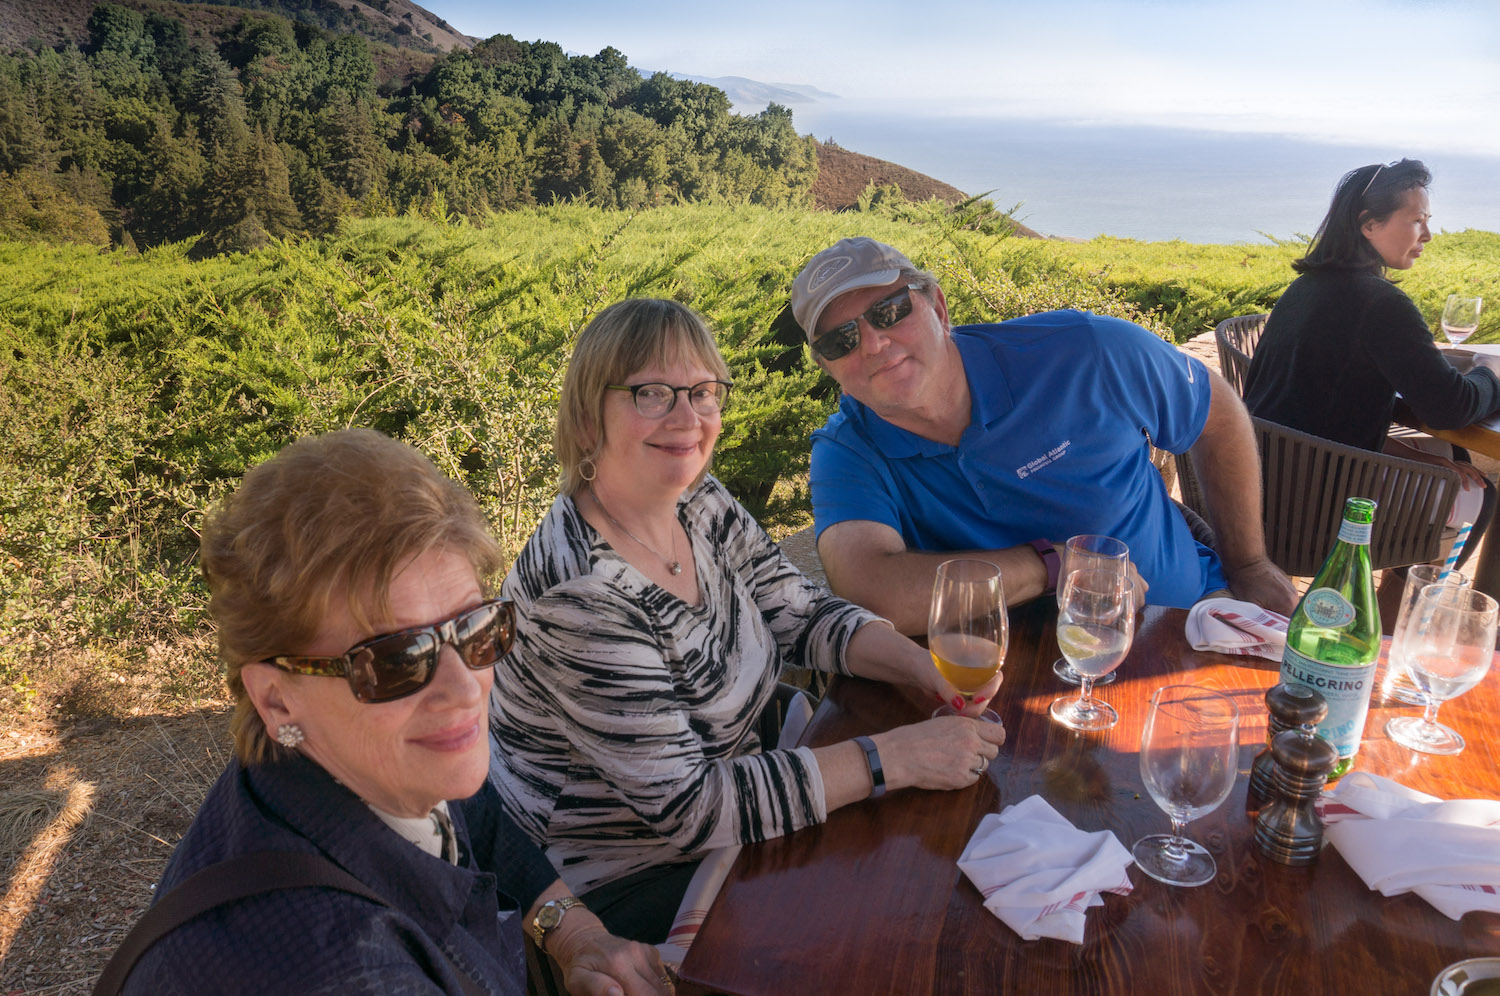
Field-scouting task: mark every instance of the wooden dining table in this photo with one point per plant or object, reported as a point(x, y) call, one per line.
point(872, 901)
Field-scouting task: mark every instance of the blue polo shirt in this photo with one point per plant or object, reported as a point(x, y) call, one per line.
point(1065, 408)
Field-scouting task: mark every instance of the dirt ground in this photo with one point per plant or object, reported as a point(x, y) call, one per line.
point(107, 801)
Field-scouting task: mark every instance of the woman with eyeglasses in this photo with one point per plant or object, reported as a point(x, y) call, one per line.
point(1343, 340)
point(353, 844)
point(653, 618)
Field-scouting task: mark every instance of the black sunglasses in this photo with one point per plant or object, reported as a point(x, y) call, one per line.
point(398, 664)
point(839, 342)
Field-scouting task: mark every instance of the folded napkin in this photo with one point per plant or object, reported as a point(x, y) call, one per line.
point(1400, 840)
point(1038, 873)
point(1232, 627)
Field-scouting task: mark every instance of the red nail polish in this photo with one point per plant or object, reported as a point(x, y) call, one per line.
point(958, 702)
point(980, 698)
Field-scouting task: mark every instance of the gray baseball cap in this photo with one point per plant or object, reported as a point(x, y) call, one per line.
point(847, 265)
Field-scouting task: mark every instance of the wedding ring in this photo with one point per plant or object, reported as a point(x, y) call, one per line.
point(978, 772)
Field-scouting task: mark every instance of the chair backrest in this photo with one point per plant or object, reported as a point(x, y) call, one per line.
point(1236, 339)
point(1308, 478)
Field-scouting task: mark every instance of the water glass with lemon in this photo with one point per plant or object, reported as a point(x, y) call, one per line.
point(1092, 553)
point(1095, 626)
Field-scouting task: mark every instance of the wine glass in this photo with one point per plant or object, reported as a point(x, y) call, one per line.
point(1189, 756)
point(1461, 317)
point(1447, 647)
point(1103, 553)
point(1095, 624)
point(1397, 683)
point(968, 628)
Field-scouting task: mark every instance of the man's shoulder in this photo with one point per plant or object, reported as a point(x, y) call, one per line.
point(1032, 345)
point(1046, 325)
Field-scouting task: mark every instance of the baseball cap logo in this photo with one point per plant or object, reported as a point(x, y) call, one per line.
point(828, 271)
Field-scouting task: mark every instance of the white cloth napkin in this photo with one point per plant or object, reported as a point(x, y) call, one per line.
point(1038, 873)
point(1233, 627)
point(1400, 840)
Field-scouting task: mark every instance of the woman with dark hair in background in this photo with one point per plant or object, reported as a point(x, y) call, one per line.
point(1343, 340)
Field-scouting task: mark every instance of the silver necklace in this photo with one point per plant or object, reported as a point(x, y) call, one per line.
point(674, 566)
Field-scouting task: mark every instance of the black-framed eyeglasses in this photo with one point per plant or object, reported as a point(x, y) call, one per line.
point(399, 664)
point(839, 342)
point(654, 400)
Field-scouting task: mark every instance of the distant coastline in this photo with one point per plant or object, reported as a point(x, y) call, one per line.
point(1147, 184)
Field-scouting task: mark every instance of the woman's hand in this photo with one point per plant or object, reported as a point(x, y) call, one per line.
point(949, 752)
point(597, 963)
point(963, 705)
point(880, 653)
point(1467, 473)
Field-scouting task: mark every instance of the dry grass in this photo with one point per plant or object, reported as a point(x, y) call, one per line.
point(91, 813)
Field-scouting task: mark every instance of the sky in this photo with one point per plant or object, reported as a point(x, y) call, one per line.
point(1423, 74)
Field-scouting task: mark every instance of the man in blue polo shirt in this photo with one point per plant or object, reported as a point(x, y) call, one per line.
point(1007, 439)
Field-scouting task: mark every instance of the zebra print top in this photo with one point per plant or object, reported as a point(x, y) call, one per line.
point(624, 719)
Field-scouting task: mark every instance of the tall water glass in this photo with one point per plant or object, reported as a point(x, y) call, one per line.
point(1095, 625)
point(1189, 757)
point(1447, 646)
point(968, 628)
point(1093, 553)
point(1461, 317)
point(1397, 683)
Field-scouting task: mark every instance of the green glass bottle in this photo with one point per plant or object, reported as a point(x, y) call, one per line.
point(1333, 638)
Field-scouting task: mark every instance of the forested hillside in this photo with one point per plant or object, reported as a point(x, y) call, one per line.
point(264, 128)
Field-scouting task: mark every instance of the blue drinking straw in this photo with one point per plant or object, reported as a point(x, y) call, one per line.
point(1458, 545)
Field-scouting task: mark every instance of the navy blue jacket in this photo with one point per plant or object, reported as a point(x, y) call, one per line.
point(328, 941)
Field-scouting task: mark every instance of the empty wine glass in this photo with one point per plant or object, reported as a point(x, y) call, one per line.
point(1447, 647)
point(1397, 683)
point(1095, 624)
point(1101, 553)
point(1189, 757)
point(967, 628)
point(1461, 317)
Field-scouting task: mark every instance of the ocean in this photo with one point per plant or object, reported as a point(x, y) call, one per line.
point(1146, 183)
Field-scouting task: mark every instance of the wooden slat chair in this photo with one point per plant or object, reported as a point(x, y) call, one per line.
point(1236, 339)
point(1306, 480)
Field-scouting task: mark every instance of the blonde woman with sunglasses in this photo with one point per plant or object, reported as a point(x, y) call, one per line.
point(653, 618)
point(347, 582)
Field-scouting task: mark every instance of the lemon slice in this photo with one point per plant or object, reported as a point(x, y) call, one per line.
point(1077, 641)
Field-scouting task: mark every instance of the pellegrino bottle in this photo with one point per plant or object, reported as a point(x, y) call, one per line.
point(1333, 639)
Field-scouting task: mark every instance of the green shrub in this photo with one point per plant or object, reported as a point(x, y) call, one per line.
point(136, 389)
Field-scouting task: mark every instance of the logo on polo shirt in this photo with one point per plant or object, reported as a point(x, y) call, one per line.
point(1051, 456)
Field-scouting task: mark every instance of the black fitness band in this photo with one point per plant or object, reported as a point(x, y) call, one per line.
point(877, 772)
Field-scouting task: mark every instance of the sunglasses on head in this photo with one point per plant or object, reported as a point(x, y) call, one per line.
point(839, 342)
point(398, 664)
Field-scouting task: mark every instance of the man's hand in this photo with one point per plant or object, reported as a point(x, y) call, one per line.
point(1263, 583)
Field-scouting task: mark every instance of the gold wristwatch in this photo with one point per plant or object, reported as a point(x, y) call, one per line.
point(549, 916)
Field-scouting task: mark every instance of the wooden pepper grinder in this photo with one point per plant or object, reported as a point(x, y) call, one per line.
point(1289, 706)
point(1288, 830)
